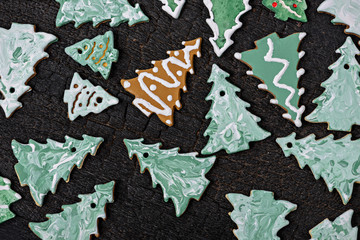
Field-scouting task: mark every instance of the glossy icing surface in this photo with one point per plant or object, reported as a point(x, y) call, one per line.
point(21, 49)
point(180, 175)
point(98, 53)
point(224, 21)
point(285, 9)
point(7, 196)
point(77, 221)
point(345, 12)
point(84, 98)
point(336, 161)
point(173, 7)
point(232, 127)
point(339, 229)
point(274, 61)
point(339, 104)
point(98, 11)
point(157, 90)
point(41, 166)
point(259, 216)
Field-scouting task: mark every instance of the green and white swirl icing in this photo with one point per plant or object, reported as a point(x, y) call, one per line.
point(77, 221)
point(7, 196)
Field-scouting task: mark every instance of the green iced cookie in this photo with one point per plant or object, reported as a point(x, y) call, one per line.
point(7, 196)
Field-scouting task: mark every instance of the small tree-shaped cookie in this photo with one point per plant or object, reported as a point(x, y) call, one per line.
point(173, 7)
point(7, 197)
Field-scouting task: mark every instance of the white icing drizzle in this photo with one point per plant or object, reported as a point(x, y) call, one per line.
point(269, 58)
point(166, 110)
point(274, 101)
point(177, 11)
point(249, 73)
point(237, 55)
point(301, 91)
point(301, 54)
point(289, 9)
point(300, 72)
point(177, 103)
point(262, 86)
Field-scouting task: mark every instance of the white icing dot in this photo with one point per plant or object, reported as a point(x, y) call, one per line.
point(262, 86)
point(302, 35)
point(184, 88)
point(300, 72)
point(168, 121)
point(6, 180)
point(274, 101)
point(152, 87)
point(183, 42)
point(198, 54)
point(301, 54)
point(155, 69)
point(191, 71)
point(152, 62)
point(301, 91)
point(177, 103)
point(168, 52)
point(176, 53)
point(179, 73)
point(126, 84)
point(137, 70)
point(169, 98)
point(250, 73)
point(237, 55)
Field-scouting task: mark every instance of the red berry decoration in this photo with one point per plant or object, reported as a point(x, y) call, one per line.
point(274, 4)
point(295, 6)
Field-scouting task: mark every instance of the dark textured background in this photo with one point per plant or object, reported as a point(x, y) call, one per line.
point(139, 211)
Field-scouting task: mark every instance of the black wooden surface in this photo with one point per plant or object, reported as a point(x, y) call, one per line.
point(139, 211)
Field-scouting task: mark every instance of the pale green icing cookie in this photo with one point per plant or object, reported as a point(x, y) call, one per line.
point(285, 9)
point(173, 7)
point(41, 166)
point(336, 161)
point(180, 175)
point(21, 49)
point(339, 103)
point(224, 21)
point(345, 12)
point(77, 221)
point(98, 11)
point(98, 53)
point(259, 216)
point(339, 229)
point(274, 61)
point(7, 196)
point(84, 98)
point(232, 127)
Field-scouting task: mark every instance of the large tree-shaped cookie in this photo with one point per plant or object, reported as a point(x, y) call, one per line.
point(345, 12)
point(7, 196)
point(157, 90)
point(285, 9)
point(180, 175)
point(173, 7)
point(224, 21)
point(339, 104)
point(98, 11)
point(339, 229)
point(79, 220)
point(274, 61)
point(84, 98)
point(259, 216)
point(336, 161)
point(41, 166)
point(98, 53)
point(232, 127)
point(21, 49)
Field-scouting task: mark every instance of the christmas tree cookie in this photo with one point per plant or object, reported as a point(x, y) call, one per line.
point(98, 53)
point(84, 98)
point(180, 175)
point(157, 90)
point(173, 7)
point(339, 229)
point(21, 50)
point(274, 61)
point(285, 9)
point(336, 161)
point(7, 196)
point(346, 12)
point(339, 104)
point(259, 216)
point(77, 221)
point(224, 21)
point(98, 11)
point(41, 166)
point(232, 126)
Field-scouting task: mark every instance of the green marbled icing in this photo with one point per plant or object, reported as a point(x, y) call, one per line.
point(339, 103)
point(98, 11)
point(339, 229)
point(21, 49)
point(345, 12)
point(285, 9)
point(336, 161)
point(232, 126)
point(98, 53)
point(259, 216)
point(77, 221)
point(41, 166)
point(83, 98)
point(180, 175)
point(274, 62)
point(7, 196)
